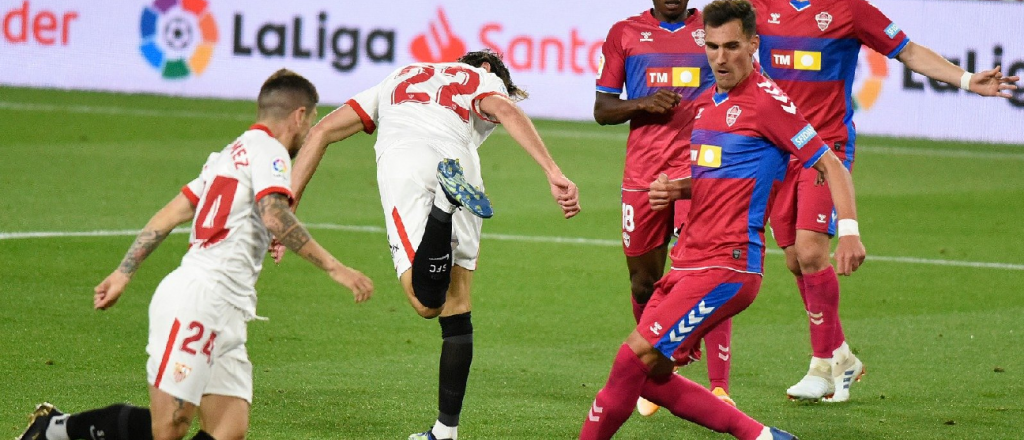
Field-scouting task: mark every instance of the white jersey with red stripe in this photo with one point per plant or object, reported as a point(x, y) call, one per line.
point(229, 240)
point(433, 103)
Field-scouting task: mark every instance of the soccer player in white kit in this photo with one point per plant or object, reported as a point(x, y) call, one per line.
point(430, 119)
point(198, 315)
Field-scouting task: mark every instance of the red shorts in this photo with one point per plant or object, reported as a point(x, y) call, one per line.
point(686, 304)
point(644, 229)
point(801, 203)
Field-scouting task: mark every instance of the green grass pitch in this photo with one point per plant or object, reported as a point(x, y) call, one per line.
point(941, 338)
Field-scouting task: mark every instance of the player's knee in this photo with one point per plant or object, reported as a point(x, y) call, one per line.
point(427, 312)
point(456, 325)
point(642, 285)
point(812, 259)
point(172, 430)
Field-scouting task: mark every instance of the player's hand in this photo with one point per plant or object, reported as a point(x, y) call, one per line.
point(663, 191)
point(566, 194)
point(109, 290)
point(993, 83)
point(850, 254)
point(360, 285)
point(660, 102)
point(277, 251)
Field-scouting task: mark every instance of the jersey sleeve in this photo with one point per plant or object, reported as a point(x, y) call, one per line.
point(271, 172)
point(490, 85)
point(876, 30)
point(366, 104)
point(785, 127)
point(195, 188)
point(611, 70)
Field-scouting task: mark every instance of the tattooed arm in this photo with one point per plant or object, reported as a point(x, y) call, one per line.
point(178, 211)
point(287, 229)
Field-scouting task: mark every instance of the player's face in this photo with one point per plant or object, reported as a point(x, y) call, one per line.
point(730, 53)
point(306, 122)
point(669, 10)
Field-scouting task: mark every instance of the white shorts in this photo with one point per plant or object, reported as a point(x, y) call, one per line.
point(407, 179)
point(196, 340)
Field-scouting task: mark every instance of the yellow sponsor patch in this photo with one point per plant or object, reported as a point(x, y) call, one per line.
point(709, 156)
point(806, 60)
point(685, 77)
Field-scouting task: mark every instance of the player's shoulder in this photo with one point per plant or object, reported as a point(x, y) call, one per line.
point(632, 22)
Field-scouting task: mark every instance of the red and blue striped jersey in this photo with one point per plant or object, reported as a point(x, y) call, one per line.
point(742, 141)
point(810, 48)
point(640, 56)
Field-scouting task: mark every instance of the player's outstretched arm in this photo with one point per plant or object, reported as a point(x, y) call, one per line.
point(179, 210)
point(664, 191)
point(609, 109)
point(283, 224)
point(336, 126)
point(925, 61)
point(850, 251)
point(521, 128)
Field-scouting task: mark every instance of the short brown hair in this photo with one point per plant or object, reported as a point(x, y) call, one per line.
point(720, 12)
point(477, 59)
point(284, 92)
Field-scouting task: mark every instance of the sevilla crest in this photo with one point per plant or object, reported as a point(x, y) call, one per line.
point(698, 37)
point(732, 115)
point(181, 371)
point(824, 19)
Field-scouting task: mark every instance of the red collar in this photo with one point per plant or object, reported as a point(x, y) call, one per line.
point(262, 128)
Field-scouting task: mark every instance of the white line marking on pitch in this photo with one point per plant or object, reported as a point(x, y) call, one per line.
point(585, 133)
point(502, 237)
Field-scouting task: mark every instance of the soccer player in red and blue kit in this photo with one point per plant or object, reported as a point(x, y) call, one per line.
point(810, 49)
point(746, 128)
point(656, 57)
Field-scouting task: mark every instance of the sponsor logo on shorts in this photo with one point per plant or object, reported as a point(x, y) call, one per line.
point(656, 329)
point(804, 136)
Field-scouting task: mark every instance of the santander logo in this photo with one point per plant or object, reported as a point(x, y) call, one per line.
point(568, 54)
point(441, 45)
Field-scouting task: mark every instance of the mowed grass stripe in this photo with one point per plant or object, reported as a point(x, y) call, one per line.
point(505, 237)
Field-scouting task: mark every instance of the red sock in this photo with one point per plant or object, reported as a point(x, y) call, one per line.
point(638, 308)
point(688, 400)
point(823, 310)
point(614, 403)
point(716, 344)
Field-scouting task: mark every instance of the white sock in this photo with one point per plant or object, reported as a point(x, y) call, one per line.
point(58, 429)
point(841, 353)
point(823, 365)
point(766, 434)
point(442, 431)
point(441, 201)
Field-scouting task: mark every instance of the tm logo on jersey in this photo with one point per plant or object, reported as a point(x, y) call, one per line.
point(796, 59)
point(673, 77)
point(804, 136)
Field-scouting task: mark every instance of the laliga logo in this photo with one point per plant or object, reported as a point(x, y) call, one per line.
point(877, 67)
point(442, 46)
point(178, 37)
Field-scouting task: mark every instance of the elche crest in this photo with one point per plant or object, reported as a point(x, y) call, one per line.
point(824, 19)
point(732, 115)
point(698, 37)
